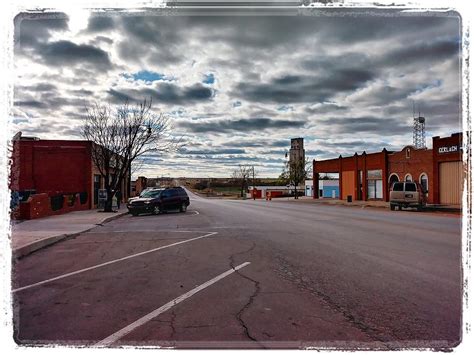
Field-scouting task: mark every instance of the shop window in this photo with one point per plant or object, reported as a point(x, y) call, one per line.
point(374, 184)
point(408, 177)
point(424, 182)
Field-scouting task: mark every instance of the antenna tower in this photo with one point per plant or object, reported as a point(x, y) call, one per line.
point(419, 132)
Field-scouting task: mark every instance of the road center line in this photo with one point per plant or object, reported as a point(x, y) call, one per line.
point(111, 262)
point(139, 322)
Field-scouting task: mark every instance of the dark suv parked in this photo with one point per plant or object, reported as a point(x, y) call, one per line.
point(159, 200)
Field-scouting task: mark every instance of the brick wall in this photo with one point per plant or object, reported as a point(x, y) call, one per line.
point(53, 166)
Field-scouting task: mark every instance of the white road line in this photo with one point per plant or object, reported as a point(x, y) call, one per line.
point(139, 322)
point(151, 231)
point(110, 262)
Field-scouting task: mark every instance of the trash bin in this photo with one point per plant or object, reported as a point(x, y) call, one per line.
point(349, 198)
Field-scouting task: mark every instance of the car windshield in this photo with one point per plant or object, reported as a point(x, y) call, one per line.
point(151, 193)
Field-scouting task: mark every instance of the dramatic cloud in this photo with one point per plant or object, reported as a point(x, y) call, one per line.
point(240, 125)
point(65, 53)
point(31, 29)
point(164, 92)
point(367, 125)
point(422, 53)
point(237, 88)
point(309, 89)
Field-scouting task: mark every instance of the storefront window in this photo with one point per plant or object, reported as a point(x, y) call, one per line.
point(408, 177)
point(374, 184)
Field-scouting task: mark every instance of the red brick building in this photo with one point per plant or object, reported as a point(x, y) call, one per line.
point(46, 172)
point(369, 176)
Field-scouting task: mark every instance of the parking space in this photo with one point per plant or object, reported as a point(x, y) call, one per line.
point(95, 249)
point(86, 307)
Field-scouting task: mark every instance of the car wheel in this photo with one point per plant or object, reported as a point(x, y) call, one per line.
point(183, 207)
point(156, 209)
point(392, 207)
point(134, 214)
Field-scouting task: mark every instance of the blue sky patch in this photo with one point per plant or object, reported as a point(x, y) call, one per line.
point(147, 76)
point(236, 104)
point(209, 79)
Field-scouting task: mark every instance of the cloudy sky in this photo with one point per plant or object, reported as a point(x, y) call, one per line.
point(237, 88)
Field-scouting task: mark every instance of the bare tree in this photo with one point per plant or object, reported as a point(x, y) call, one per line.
point(241, 176)
point(122, 135)
point(295, 172)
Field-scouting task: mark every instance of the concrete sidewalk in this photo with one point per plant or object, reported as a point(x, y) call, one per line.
point(363, 204)
point(31, 235)
point(330, 201)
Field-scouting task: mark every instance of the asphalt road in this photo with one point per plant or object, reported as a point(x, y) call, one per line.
point(310, 276)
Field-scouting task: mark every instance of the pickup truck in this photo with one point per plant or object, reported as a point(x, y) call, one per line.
point(407, 194)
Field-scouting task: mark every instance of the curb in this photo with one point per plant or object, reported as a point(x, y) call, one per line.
point(443, 209)
point(42, 243)
point(111, 218)
point(429, 208)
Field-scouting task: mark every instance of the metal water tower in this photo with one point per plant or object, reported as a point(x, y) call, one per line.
point(419, 132)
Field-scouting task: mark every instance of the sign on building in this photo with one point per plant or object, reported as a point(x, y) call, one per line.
point(449, 149)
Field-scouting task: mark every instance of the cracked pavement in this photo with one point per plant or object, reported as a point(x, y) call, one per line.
point(319, 276)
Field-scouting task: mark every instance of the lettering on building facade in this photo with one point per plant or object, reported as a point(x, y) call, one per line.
point(449, 149)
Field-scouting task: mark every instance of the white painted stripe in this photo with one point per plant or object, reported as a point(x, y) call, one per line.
point(111, 262)
point(129, 328)
point(151, 231)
